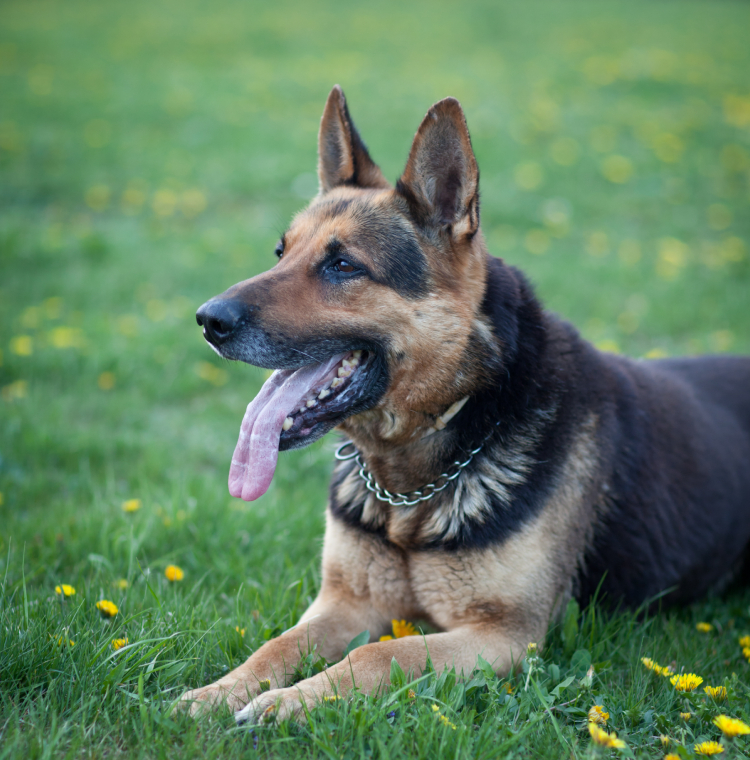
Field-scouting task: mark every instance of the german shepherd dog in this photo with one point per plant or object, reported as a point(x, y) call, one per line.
point(496, 465)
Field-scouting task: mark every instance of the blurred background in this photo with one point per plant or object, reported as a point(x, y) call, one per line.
point(151, 153)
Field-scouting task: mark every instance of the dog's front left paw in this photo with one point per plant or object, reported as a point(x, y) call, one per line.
point(212, 697)
point(275, 705)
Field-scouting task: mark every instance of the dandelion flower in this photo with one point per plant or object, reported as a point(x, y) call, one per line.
point(122, 584)
point(731, 726)
point(686, 716)
point(239, 630)
point(666, 670)
point(62, 641)
point(717, 692)
point(664, 740)
point(401, 628)
point(708, 748)
point(745, 641)
point(120, 643)
point(672, 756)
point(386, 638)
point(332, 698)
point(531, 648)
point(411, 694)
point(597, 715)
point(174, 573)
point(746, 652)
point(131, 505)
point(446, 722)
point(435, 708)
point(65, 590)
point(603, 739)
point(704, 627)
point(107, 608)
point(686, 682)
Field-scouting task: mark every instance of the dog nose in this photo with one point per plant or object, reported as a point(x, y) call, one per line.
point(218, 318)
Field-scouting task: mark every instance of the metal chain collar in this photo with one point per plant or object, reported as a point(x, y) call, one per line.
point(425, 493)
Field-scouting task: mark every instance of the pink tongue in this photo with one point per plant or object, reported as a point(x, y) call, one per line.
point(254, 459)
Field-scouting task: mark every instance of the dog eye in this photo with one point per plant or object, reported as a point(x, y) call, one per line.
point(279, 250)
point(342, 265)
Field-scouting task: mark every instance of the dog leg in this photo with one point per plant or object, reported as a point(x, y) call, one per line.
point(368, 668)
point(328, 625)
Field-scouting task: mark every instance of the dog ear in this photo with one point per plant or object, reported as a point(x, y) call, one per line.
point(441, 179)
point(342, 156)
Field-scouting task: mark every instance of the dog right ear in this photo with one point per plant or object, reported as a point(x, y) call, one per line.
point(342, 156)
point(441, 179)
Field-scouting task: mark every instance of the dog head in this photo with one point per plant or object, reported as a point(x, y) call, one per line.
point(372, 314)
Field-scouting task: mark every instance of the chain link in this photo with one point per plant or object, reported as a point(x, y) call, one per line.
point(425, 493)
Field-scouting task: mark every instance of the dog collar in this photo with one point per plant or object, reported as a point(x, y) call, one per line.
point(425, 493)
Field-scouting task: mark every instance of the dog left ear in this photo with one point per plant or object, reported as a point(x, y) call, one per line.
point(441, 179)
point(342, 156)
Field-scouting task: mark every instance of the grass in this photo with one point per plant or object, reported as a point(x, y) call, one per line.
point(150, 154)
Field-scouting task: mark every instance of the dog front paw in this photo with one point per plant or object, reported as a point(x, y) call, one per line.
point(276, 705)
point(213, 697)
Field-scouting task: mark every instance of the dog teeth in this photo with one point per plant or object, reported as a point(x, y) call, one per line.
point(344, 371)
point(336, 382)
point(303, 408)
point(288, 422)
point(325, 392)
point(310, 403)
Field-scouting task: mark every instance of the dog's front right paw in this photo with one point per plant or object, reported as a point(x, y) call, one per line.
point(215, 696)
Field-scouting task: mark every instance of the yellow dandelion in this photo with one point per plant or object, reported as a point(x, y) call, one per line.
point(731, 726)
point(265, 684)
point(597, 715)
point(131, 505)
point(603, 739)
point(401, 628)
point(435, 708)
point(745, 641)
point(332, 698)
point(62, 641)
point(704, 627)
point(446, 722)
point(173, 573)
point(717, 692)
point(531, 649)
point(746, 652)
point(386, 638)
point(664, 740)
point(122, 584)
point(686, 716)
point(411, 694)
point(120, 643)
point(65, 590)
point(672, 756)
point(686, 682)
point(708, 748)
point(239, 630)
point(656, 668)
point(108, 609)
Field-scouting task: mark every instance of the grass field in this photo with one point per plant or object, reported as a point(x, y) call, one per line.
point(150, 155)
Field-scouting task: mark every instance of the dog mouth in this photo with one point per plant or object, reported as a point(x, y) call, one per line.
point(292, 409)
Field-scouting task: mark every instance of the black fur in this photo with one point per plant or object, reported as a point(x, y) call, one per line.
point(672, 505)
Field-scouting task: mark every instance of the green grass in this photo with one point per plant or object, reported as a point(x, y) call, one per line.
point(150, 154)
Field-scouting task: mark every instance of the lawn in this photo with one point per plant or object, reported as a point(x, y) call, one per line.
point(150, 155)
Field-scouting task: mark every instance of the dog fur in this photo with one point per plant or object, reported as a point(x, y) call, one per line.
point(597, 471)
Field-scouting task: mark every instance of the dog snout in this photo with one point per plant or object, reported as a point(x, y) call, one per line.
point(219, 319)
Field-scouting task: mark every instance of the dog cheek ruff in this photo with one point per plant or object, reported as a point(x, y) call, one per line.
point(425, 493)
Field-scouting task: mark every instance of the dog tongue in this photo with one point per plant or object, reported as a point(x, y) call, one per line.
point(254, 459)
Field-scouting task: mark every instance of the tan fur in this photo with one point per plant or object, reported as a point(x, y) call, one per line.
point(489, 602)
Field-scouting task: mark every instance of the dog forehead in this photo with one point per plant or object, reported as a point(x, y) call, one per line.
point(375, 230)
